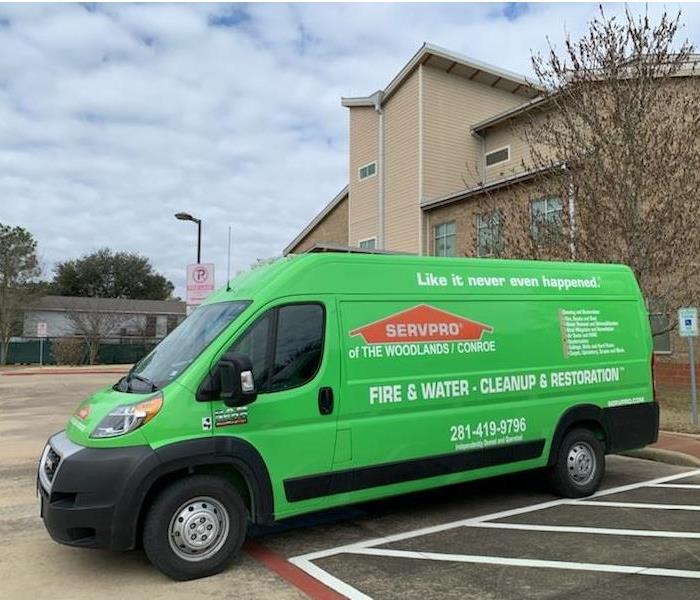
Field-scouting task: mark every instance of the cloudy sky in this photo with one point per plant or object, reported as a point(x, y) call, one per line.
point(114, 117)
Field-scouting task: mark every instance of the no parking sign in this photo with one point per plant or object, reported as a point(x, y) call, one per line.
point(200, 282)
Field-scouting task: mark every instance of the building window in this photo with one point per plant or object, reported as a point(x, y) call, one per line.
point(489, 234)
point(444, 239)
point(368, 170)
point(368, 244)
point(498, 156)
point(662, 341)
point(660, 326)
point(545, 219)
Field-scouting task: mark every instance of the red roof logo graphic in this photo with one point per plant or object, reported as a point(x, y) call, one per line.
point(421, 323)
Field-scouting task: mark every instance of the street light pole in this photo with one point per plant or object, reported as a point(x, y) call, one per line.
point(199, 241)
point(183, 216)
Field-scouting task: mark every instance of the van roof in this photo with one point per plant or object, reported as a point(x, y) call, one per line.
point(422, 277)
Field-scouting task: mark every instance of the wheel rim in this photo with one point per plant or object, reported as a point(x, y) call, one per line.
point(198, 529)
point(581, 463)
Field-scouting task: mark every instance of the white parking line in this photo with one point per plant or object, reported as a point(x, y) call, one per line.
point(636, 505)
point(529, 562)
point(680, 486)
point(689, 535)
point(305, 563)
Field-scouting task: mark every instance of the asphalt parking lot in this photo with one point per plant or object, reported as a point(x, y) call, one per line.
point(496, 539)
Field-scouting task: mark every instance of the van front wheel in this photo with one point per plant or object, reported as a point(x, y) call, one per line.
point(195, 527)
point(580, 465)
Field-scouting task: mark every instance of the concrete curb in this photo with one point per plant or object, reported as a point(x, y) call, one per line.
point(669, 457)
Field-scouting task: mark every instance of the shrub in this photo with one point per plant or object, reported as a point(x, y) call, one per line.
point(68, 351)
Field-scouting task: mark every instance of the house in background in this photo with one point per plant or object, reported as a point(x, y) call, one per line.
point(432, 155)
point(132, 319)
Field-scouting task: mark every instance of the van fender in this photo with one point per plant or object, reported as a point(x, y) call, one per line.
point(188, 455)
point(577, 414)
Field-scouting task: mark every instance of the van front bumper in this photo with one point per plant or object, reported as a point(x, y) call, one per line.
point(89, 496)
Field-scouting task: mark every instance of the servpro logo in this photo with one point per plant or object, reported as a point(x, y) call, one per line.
point(421, 323)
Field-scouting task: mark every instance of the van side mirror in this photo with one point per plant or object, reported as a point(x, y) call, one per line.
point(236, 383)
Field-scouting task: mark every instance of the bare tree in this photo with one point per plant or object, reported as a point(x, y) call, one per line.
point(617, 132)
point(510, 222)
point(94, 327)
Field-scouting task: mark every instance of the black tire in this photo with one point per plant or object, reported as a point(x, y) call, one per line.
point(569, 475)
point(196, 497)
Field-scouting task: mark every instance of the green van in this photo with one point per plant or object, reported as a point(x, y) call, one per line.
point(331, 378)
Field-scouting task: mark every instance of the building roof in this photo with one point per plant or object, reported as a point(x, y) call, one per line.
point(458, 64)
point(499, 118)
point(491, 186)
point(111, 305)
point(340, 196)
point(691, 68)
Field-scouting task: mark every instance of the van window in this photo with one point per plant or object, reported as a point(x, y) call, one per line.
point(254, 344)
point(299, 345)
point(291, 356)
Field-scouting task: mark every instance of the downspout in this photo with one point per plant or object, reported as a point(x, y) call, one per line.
point(421, 249)
point(380, 169)
point(482, 158)
point(572, 218)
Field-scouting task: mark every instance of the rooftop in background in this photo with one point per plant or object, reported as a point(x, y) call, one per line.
point(322, 247)
point(339, 197)
point(110, 305)
point(457, 64)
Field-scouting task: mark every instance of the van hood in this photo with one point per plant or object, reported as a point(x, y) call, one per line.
point(92, 410)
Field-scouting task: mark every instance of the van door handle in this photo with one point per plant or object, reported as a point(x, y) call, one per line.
point(325, 400)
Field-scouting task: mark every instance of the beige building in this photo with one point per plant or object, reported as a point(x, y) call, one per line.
point(412, 148)
point(430, 157)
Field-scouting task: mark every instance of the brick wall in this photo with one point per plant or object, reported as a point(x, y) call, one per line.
point(674, 374)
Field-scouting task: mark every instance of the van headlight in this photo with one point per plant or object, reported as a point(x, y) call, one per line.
point(127, 417)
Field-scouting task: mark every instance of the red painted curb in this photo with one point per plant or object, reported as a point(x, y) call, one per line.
point(292, 574)
point(63, 372)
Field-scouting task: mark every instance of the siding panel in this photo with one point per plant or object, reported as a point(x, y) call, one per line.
point(401, 167)
point(363, 208)
point(451, 105)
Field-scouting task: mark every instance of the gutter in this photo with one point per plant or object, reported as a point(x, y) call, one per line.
point(475, 191)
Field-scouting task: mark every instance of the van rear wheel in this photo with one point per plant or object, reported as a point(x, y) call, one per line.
point(195, 527)
point(580, 465)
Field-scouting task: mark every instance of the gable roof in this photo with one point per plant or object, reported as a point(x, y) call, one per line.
point(691, 68)
point(339, 197)
point(510, 113)
point(451, 62)
point(111, 305)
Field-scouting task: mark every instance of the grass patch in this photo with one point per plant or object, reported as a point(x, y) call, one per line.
point(675, 411)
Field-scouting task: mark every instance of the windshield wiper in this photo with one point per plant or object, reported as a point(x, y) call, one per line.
point(142, 379)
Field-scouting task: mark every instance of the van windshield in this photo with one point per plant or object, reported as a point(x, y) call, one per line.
point(179, 349)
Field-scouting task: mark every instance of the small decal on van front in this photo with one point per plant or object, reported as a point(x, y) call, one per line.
point(230, 416)
point(422, 323)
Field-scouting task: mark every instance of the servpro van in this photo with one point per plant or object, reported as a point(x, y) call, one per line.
point(331, 378)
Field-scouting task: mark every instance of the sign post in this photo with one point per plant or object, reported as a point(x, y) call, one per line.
point(41, 331)
point(200, 283)
point(688, 327)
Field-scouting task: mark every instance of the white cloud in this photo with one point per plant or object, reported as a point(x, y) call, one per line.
point(114, 118)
